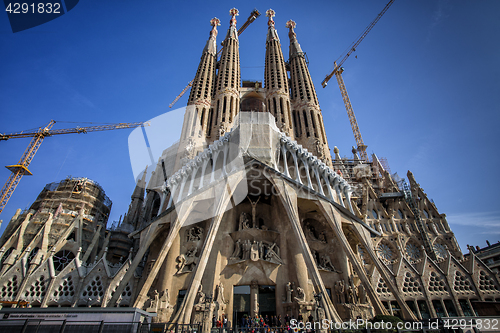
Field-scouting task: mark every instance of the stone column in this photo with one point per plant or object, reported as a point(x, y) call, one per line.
point(288, 198)
point(254, 299)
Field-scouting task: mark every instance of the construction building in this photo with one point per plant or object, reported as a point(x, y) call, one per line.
point(252, 214)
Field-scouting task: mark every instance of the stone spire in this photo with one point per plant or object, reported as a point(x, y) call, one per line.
point(197, 116)
point(227, 95)
point(276, 79)
point(306, 114)
point(203, 81)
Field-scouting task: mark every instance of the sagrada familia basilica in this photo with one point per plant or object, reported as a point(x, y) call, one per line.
point(249, 213)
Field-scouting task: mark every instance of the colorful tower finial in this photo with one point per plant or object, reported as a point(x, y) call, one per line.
point(270, 13)
point(214, 23)
point(233, 12)
point(290, 24)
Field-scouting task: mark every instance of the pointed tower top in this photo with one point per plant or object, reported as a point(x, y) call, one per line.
point(233, 12)
point(232, 32)
point(295, 49)
point(272, 34)
point(270, 13)
point(215, 22)
point(211, 46)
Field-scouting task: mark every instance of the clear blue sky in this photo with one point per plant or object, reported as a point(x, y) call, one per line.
point(424, 87)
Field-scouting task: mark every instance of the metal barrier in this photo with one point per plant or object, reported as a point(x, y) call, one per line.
point(62, 326)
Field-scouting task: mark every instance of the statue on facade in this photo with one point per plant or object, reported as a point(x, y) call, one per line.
point(244, 221)
point(164, 299)
point(186, 262)
point(284, 128)
point(320, 152)
point(340, 291)
point(362, 294)
point(273, 254)
point(237, 250)
point(194, 234)
point(322, 237)
point(289, 291)
point(246, 246)
point(326, 263)
point(254, 251)
point(201, 295)
point(309, 231)
point(220, 294)
point(254, 212)
point(301, 295)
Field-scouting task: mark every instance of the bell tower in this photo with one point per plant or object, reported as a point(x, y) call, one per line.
point(276, 79)
point(306, 114)
point(227, 93)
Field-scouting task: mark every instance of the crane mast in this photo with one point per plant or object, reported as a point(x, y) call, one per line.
point(253, 15)
point(337, 71)
point(361, 147)
point(21, 168)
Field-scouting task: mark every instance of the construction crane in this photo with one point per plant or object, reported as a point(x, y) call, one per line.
point(253, 15)
point(21, 168)
point(337, 71)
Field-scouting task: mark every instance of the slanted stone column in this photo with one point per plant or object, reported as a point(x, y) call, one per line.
point(221, 194)
point(288, 197)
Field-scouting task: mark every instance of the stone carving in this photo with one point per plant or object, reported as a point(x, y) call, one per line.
point(289, 290)
point(285, 129)
point(223, 130)
point(247, 245)
point(154, 301)
point(254, 212)
point(273, 254)
point(164, 299)
point(362, 294)
point(244, 221)
point(350, 295)
point(340, 291)
point(322, 237)
point(326, 263)
point(320, 152)
point(301, 295)
point(194, 234)
point(189, 149)
point(201, 296)
point(255, 250)
point(220, 294)
point(309, 231)
point(186, 262)
point(237, 250)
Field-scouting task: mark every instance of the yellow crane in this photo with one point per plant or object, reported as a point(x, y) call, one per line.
point(21, 168)
point(253, 15)
point(337, 71)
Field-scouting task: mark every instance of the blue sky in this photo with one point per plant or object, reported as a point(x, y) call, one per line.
point(424, 87)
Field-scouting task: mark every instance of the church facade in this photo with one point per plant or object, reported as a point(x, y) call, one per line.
point(250, 214)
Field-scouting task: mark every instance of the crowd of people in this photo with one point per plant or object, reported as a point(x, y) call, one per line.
point(259, 323)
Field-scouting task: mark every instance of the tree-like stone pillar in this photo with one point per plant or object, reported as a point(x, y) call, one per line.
point(288, 197)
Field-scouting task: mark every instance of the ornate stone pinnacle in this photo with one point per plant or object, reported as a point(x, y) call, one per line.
point(215, 22)
point(290, 24)
point(270, 13)
point(233, 12)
